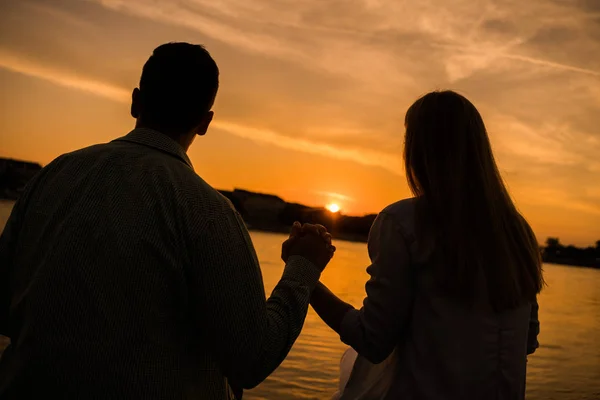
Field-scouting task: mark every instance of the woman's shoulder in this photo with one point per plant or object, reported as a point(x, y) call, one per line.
point(403, 214)
point(401, 208)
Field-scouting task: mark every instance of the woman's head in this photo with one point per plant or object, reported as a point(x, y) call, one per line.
point(446, 142)
point(464, 202)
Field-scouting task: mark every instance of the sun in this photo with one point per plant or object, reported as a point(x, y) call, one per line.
point(333, 207)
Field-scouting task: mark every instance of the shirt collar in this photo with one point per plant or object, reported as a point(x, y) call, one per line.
point(155, 139)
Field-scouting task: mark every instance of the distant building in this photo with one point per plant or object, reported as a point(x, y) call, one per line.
point(14, 175)
point(259, 208)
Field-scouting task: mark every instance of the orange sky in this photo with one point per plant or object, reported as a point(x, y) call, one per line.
point(313, 93)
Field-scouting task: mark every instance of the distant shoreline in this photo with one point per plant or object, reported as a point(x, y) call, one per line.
point(548, 253)
point(265, 212)
point(286, 231)
point(592, 264)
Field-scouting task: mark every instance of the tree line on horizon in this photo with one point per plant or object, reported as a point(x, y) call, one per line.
point(555, 252)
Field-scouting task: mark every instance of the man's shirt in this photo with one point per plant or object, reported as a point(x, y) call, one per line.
point(124, 275)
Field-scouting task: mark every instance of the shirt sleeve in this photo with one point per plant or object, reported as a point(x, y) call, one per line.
point(373, 331)
point(534, 329)
point(8, 241)
point(8, 247)
point(248, 336)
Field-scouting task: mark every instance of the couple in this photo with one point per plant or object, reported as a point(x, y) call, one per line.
point(124, 275)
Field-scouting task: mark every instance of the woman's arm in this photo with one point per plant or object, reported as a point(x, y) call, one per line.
point(374, 330)
point(329, 307)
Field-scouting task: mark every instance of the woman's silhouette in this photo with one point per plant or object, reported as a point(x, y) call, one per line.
point(451, 302)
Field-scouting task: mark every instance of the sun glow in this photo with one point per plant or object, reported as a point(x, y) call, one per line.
point(333, 207)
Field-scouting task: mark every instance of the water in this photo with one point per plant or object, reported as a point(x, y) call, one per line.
point(565, 367)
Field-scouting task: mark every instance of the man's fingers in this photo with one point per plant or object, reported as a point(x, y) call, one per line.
point(317, 229)
point(310, 228)
point(285, 247)
point(296, 230)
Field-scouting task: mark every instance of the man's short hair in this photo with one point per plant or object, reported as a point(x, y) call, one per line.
point(178, 86)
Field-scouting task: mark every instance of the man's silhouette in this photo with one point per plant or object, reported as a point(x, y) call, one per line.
point(123, 275)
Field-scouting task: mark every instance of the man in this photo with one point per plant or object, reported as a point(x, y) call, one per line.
point(125, 276)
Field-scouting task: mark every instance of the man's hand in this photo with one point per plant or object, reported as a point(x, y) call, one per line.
point(285, 247)
point(312, 242)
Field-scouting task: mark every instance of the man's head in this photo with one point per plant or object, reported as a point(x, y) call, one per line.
point(177, 90)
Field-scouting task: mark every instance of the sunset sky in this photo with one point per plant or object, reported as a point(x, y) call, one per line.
point(313, 92)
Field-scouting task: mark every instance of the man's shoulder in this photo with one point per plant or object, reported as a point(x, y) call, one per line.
point(84, 152)
point(79, 154)
point(198, 187)
point(200, 197)
point(192, 190)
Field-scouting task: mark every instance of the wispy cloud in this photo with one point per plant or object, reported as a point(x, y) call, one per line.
point(336, 196)
point(366, 157)
point(550, 64)
point(20, 65)
point(115, 93)
point(321, 34)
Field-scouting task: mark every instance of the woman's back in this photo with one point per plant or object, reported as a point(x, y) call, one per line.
point(454, 351)
point(455, 271)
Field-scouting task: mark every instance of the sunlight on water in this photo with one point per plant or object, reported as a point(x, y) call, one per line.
point(566, 367)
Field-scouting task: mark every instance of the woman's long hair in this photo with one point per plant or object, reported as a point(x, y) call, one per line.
point(464, 203)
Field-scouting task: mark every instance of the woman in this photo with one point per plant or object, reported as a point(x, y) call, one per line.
point(451, 303)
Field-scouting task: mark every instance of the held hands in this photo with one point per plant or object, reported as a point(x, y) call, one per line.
point(312, 242)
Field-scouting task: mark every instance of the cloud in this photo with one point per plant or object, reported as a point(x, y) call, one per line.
point(115, 93)
point(388, 53)
point(20, 65)
point(321, 34)
point(336, 196)
point(383, 54)
point(363, 156)
point(550, 64)
point(335, 77)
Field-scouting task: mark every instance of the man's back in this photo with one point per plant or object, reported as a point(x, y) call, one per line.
point(124, 275)
point(118, 308)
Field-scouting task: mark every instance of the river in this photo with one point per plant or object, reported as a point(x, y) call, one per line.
point(565, 367)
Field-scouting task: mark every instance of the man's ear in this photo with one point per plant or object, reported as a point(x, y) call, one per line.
point(136, 108)
point(204, 124)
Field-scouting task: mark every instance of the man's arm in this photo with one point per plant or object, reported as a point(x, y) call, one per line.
point(248, 335)
point(8, 241)
point(8, 244)
point(373, 330)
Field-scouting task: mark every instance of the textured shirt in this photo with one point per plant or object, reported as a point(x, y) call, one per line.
point(442, 349)
point(125, 276)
